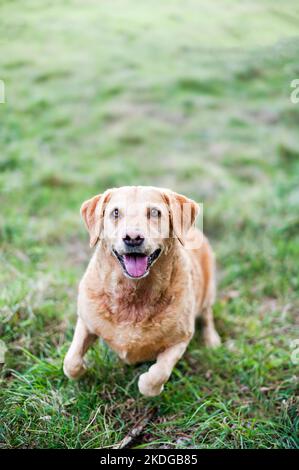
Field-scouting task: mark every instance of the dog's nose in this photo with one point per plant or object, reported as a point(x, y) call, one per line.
point(133, 240)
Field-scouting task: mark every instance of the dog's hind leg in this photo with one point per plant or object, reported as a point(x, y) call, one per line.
point(73, 365)
point(210, 335)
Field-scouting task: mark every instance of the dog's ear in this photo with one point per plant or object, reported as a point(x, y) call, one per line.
point(182, 211)
point(92, 212)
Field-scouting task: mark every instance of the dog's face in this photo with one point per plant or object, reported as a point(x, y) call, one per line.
point(137, 223)
point(133, 228)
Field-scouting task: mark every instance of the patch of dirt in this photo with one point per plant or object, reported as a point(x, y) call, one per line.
point(123, 111)
point(77, 251)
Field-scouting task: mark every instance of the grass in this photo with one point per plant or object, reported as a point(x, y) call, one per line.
point(192, 95)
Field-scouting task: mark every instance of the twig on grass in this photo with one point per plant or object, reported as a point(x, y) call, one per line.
point(136, 430)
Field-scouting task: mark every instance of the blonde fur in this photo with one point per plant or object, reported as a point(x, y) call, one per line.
point(146, 319)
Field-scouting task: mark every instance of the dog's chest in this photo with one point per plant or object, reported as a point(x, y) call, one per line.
point(140, 342)
point(137, 328)
point(134, 344)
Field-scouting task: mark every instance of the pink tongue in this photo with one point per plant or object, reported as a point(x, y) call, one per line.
point(135, 265)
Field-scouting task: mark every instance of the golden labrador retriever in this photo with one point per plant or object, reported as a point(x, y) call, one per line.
point(151, 275)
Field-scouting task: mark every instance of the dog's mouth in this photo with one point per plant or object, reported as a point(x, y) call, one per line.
point(137, 265)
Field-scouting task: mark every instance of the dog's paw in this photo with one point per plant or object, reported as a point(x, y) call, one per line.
point(147, 387)
point(73, 369)
point(211, 338)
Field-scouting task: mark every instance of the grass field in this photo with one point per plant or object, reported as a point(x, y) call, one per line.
point(191, 95)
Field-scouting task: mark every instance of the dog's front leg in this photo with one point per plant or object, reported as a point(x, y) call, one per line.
point(152, 382)
point(73, 365)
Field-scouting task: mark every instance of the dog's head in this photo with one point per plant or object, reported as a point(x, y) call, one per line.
point(137, 224)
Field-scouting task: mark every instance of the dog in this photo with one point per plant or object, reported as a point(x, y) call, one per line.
point(151, 275)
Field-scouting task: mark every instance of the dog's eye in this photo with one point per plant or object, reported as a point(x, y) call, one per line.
point(155, 213)
point(115, 213)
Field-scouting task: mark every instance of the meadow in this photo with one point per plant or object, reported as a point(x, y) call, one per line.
point(191, 95)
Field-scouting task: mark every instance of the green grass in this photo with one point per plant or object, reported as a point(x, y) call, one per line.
point(192, 95)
